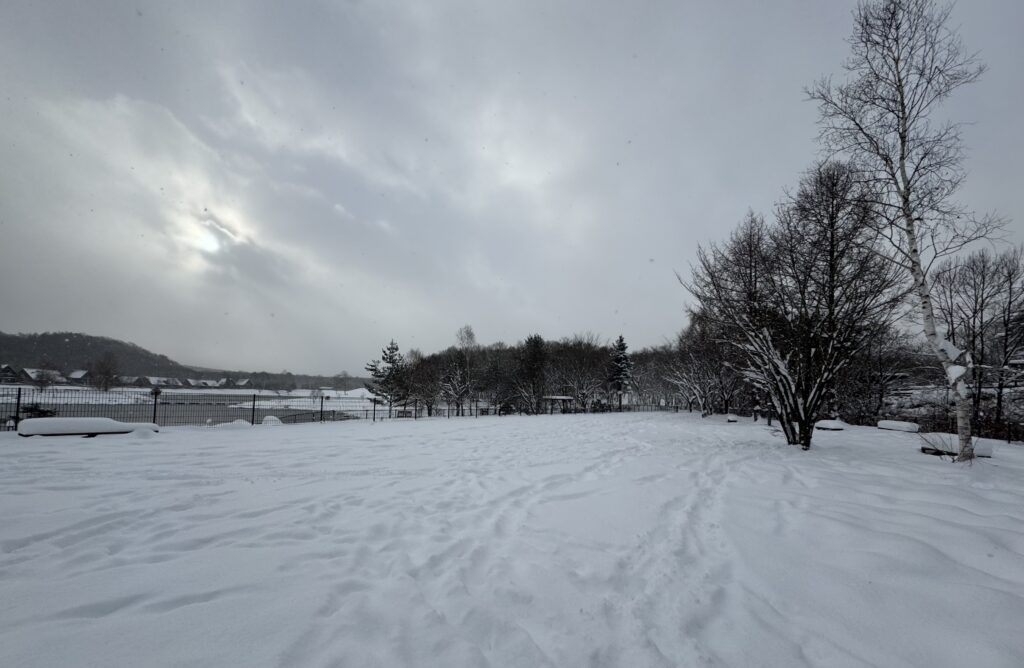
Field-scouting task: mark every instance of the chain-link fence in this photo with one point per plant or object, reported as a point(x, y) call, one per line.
point(183, 408)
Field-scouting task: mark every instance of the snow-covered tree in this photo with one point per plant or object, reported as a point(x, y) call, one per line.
point(905, 61)
point(389, 375)
point(577, 367)
point(620, 372)
point(800, 298)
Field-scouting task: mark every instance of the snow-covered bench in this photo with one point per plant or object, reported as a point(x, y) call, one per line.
point(897, 425)
point(79, 426)
point(950, 448)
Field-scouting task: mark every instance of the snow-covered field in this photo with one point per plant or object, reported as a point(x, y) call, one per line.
point(591, 540)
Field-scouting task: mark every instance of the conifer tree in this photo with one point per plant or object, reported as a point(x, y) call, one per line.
point(389, 376)
point(621, 372)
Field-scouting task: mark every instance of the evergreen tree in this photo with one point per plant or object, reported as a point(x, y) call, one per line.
point(389, 376)
point(621, 372)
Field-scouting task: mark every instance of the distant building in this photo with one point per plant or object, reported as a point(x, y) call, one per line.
point(79, 377)
point(161, 381)
point(11, 376)
point(200, 383)
point(49, 375)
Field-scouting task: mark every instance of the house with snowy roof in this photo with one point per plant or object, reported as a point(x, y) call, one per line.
point(79, 377)
point(45, 375)
point(11, 376)
point(200, 383)
point(162, 381)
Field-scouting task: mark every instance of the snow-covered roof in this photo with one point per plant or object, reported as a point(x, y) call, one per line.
point(78, 374)
point(164, 381)
point(36, 374)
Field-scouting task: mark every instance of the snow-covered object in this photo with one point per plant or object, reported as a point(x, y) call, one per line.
point(625, 539)
point(68, 426)
point(234, 424)
point(898, 425)
point(830, 425)
point(731, 418)
point(954, 373)
point(983, 448)
point(272, 419)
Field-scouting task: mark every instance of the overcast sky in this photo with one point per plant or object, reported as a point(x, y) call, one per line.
point(270, 185)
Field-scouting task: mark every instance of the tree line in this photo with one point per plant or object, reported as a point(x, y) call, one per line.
point(582, 372)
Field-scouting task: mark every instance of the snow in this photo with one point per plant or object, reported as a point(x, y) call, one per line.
point(898, 425)
point(234, 424)
point(63, 426)
point(950, 350)
point(830, 425)
point(272, 420)
point(589, 540)
point(954, 372)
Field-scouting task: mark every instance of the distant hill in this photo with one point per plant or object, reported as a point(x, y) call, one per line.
point(67, 351)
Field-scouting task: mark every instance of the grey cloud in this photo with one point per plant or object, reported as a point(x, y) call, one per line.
point(314, 179)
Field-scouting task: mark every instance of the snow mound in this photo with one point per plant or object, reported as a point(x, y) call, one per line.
point(732, 418)
point(897, 425)
point(236, 424)
point(272, 419)
point(830, 425)
point(79, 426)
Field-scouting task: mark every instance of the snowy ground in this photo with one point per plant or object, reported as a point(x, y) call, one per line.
point(600, 540)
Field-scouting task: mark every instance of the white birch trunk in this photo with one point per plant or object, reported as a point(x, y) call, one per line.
point(956, 363)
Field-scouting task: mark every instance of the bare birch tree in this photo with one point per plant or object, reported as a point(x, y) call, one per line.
point(905, 61)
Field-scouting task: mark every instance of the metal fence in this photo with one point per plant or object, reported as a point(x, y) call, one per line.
point(182, 408)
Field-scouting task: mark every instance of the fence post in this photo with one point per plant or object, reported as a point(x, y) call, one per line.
point(321, 408)
point(415, 409)
point(374, 401)
point(17, 409)
point(156, 401)
point(253, 409)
